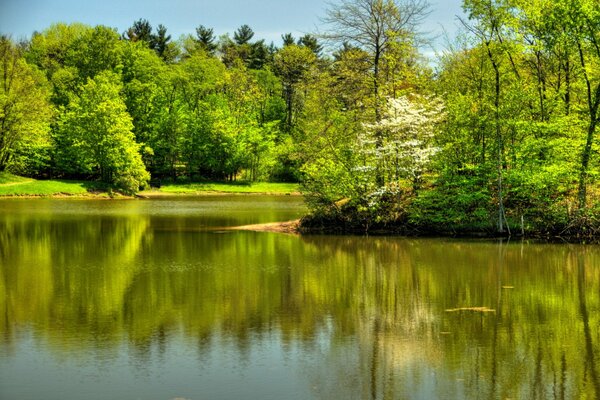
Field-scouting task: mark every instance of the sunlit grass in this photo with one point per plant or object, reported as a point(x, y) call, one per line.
point(232, 187)
point(12, 185)
point(6, 178)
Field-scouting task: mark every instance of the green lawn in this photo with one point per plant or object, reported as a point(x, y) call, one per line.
point(12, 185)
point(232, 187)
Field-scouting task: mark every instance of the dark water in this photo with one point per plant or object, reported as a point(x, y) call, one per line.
point(151, 300)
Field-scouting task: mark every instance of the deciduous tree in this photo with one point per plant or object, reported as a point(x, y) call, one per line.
point(99, 130)
point(24, 111)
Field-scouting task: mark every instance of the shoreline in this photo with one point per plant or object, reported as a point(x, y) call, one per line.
point(295, 227)
point(542, 237)
point(82, 196)
point(145, 194)
point(158, 194)
point(304, 226)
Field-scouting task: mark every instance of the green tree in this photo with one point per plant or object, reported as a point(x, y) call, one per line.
point(201, 92)
point(206, 39)
point(51, 52)
point(373, 25)
point(243, 35)
point(491, 24)
point(142, 75)
point(25, 112)
point(287, 39)
point(161, 43)
point(97, 49)
point(140, 31)
point(312, 43)
point(292, 64)
point(583, 25)
point(98, 128)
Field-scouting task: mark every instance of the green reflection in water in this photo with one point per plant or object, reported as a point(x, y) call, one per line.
point(377, 317)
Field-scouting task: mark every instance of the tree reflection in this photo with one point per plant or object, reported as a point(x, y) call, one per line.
point(590, 357)
point(379, 304)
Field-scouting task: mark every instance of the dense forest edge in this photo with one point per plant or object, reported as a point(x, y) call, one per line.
point(499, 138)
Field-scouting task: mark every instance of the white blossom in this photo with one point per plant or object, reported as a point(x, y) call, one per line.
point(400, 144)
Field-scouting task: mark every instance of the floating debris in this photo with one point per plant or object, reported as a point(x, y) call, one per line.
point(472, 309)
point(508, 287)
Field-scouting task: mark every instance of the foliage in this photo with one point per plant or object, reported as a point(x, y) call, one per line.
point(503, 136)
point(97, 128)
point(24, 112)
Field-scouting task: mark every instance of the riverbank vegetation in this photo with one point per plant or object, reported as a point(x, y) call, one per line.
point(499, 137)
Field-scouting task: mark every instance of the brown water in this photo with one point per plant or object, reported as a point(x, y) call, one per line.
point(148, 299)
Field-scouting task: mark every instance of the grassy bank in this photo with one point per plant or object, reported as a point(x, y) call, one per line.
point(224, 187)
point(12, 186)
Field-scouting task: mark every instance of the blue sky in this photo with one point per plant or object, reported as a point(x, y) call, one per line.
point(268, 18)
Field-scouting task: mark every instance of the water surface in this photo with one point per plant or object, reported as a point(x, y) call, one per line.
point(149, 299)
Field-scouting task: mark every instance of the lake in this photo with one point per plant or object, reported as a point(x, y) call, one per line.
point(155, 299)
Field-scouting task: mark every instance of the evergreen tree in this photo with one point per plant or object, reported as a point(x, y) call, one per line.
point(206, 39)
point(287, 39)
point(243, 35)
point(312, 43)
point(140, 31)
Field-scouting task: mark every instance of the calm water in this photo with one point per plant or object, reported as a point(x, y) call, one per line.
point(149, 299)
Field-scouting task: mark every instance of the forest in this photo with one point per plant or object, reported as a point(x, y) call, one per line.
point(498, 136)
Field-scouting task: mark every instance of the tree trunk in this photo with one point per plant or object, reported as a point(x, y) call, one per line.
point(379, 178)
point(593, 100)
point(498, 138)
point(585, 162)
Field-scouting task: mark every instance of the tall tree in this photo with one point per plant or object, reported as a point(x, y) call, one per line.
point(292, 63)
point(583, 18)
point(24, 108)
point(287, 39)
point(490, 22)
point(98, 49)
point(312, 43)
point(161, 43)
point(243, 35)
point(52, 52)
point(373, 25)
point(206, 39)
point(99, 130)
point(140, 31)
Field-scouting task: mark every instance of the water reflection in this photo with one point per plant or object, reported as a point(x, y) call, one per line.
point(331, 317)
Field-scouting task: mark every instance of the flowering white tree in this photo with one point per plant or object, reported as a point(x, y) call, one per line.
point(400, 146)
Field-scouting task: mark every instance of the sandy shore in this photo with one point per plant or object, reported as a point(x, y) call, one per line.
point(280, 227)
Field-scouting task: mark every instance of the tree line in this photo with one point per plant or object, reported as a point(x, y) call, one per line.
point(86, 102)
point(500, 135)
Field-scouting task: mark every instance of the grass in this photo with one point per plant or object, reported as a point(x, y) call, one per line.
point(230, 187)
point(12, 185)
